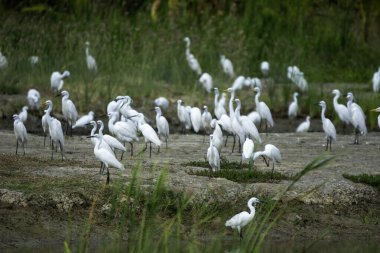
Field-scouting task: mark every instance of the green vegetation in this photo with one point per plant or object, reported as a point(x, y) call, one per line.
point(233, 171)
point(372, 180)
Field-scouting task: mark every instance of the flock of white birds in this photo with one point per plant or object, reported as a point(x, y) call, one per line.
point(125, 122)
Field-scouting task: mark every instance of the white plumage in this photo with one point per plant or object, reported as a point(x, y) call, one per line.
point(3, 61)
point(378, 118)
point(327, 125)
point(84, 120)
point(357, 117)
point(248, 148)
point(263, 110)
point(55, 131)
point(23, 115)
point(69, 110)
point(341, 109)
point(191, 60)
point(162, 102)
point(376, 81)
point(162, 125)
point(90, 60)
point(227, 66)
point(111, 141)
point(33, 98)
point(240, 220)
point(239, 83)
point(56, 80)
point(293, 107)
point(217, 140)
point(254, 117)
point(96, 140)
point(213, 156)
point(247, 125)
point(219, 109)
point(34, 60)
point(271, 152)
point(206, 119)
point(20, 132)
point(148, 132)
point(196, 118)
point(264, 67)
point(206, 81)
point(304, 126)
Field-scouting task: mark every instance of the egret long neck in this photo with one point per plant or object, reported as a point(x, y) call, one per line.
point(93, 130)
point(323, 114)
point(216, 99)
point(231, 107)
point(237, 110)
point(251, 209)
point(257, 102)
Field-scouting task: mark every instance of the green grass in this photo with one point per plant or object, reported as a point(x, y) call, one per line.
point(372, 180)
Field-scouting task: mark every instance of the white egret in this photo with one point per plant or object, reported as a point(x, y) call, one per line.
point(263, 110)
point(96, 140)
point(256, 82)
point(162, 102)
point(206, 120)
point(162, 125)
point(240, 220)
point(191, 60)
point(3, 61)
point(297, 77)
point(196, 118)
point(213, 157)
point(219, 109)
point(357, 117)
point(248, 126)
point(264, 67)
point(255, 117)
point(293, 107)
point(206, 81)
point(110, 140)
point(124, 131)
point(378, 118)
point(90, 60)
point(125, 108)
point(237, 127)
point(107, 158)
point(217, 140)
point(238, 84)
point(23, 115)
point(181, 111)
point(69, 110)
point(84, 120)
point(227, 66)
point(376, 81)
point(304, 126)
point(44, 119)
point(341, 109)
point(248, 149)
point(20, 132)
point(34, 60)
point(328, 126)
point(33, 98)
point(232, 117)
point(272, 153)
point(55, 131)
point(56, 80)
point(149, 134)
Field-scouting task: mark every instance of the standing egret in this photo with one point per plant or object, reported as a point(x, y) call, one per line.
point(181, 111)
point(162, 102)
point(107, 158)
point(90, 60)
point(69, 110)
point(227, 66)
point(196, 118)
point(56, 80)
point(293, 107)
point(23, 115)
point(237, 127)
point(191, 60)
point(255, 117)
point(206, 120)
point(124, 131)
point(304, 126)
point(357, 117)
point(44, 119)
point(55, 131)
point(272, 153)
point(162, 125)
point(84, 120)
point(219, 109)
point(213, 157)
point(217, 140)
point(240, 220)
point(248, 148)
point(34, 60)
point(376, 81)
point(328, 126)
point(3, 61)
point(264, 67)
point(33, 98)
point(111, 141)
point(20, 132)
point(378, 118)
point(341, 109)
point(149, 134)
point(239, 83)
point(206, 81)
point(263, 110)
point(232, 117)
point(248, 126)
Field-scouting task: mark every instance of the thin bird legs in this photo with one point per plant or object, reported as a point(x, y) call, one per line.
point(150, 149)
point(17, 147)
point(52, 149)
point(267, 163)
point(329, 141)
point(357, 133)
point(122, 154)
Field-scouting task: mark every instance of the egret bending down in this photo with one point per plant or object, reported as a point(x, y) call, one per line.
point(273, 154)
point(240, 220)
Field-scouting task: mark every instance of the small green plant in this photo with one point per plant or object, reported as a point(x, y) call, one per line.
point(372, 180)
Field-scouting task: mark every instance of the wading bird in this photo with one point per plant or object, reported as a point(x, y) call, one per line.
point(341, 109)
point(69, 110)
point(264, 67)
point(162, 102)
point(227, 66)
point(263, 110)
point(240, 220)
point(191, 60)
point(33, 98)
point(56, 80)
point(249, 128)
point(376, 81)
point(328, 126)
point(55, 131)
point(90, 60)
point(149, 134)
point(110, 140)
point(219, 109)
point(107, 158)
point(196, 118)
point(20, 132)
point(84, 120)
point(217, 140)
point(272, 153)
point(248, 149)
point(206, 120)
point(293, 107)
point(23, 115)
point(162, 125)
point(34, 60)
point(213, 157)
point(183, 116)
point(102, 145)
point(206, 81)
point(357, 117)
point(304, 126)
point(378, 118)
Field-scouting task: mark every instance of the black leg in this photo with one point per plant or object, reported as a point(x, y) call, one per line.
point(327, 143)
point(23, 148)
point(330, 143)
point(239, 145)
point(265, 160)
point(16, 146)
point(131, 149)
point(225, 143)
point(272, 170)
point(67, 128)
point(150, 149)
point(241, 234)
point(61, 147)
point(108, 176)
point(166, 141)
point(233, 147)
point(44, 139)
point(52, 150)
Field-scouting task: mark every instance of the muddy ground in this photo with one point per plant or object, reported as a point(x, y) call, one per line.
point(37, 194)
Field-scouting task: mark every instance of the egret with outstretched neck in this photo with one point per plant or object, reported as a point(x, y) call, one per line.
point(328, 126)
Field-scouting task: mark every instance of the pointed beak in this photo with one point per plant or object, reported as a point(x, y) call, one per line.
point(373, 110)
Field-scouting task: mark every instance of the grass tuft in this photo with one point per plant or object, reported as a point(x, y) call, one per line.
point(372, 180)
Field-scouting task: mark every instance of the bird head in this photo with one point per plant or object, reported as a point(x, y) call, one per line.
point(308, 118)
point(254, 200)
point(48, 102)
point(157, 109)
point(350, 96)
point(92, 123)
point(179, 101)
point(237, 100)
point(25, 108)
point(87, 43)
point(205, 107)
point(335, 92)
point(295, 94)
point(66, 73)
point(257, 89)
point(15, 116)
point(322, 104)
point(99, 122)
